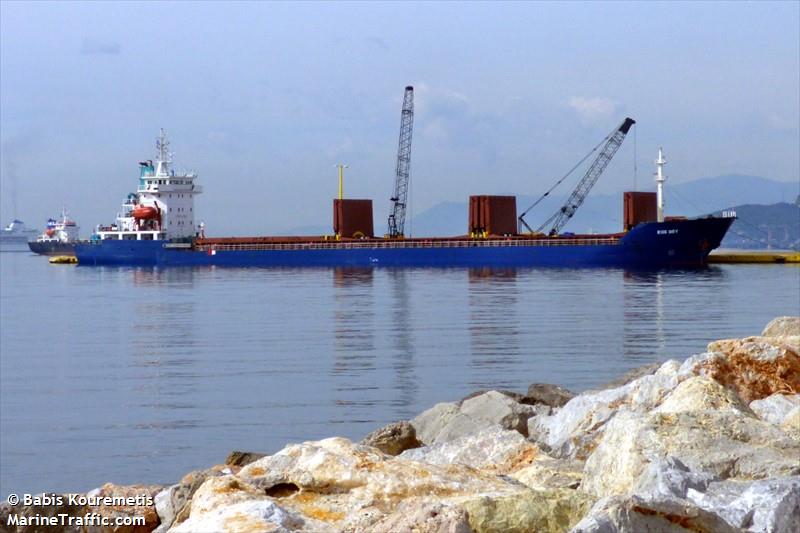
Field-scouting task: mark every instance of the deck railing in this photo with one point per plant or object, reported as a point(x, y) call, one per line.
point(372, 245)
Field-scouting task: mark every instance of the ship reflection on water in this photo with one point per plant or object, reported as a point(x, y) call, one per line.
point(354, 358)
point(181, 365)
point(360, 337)
point(652, 310)
point(493, 330)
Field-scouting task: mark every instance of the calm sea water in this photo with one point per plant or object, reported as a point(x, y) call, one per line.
point(141, 375)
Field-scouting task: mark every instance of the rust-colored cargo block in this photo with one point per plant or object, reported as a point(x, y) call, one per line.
point(495, 215)
point(353, 218)
point(475, 225)
point(638, 207)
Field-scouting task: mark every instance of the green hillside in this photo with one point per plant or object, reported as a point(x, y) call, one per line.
point(775, 226)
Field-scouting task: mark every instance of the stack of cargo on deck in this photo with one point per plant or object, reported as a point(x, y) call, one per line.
point(638, 207)
point(353, 218)
point(492, 215)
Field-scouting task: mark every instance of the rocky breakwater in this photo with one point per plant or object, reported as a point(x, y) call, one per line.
point(708, 444)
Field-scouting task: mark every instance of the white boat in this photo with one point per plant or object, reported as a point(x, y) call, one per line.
point(16, 233)
point(59, 237)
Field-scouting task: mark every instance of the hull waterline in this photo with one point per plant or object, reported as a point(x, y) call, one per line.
point(52, 248)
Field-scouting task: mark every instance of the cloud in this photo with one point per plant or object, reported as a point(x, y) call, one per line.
point(782, 122)
point(217, 136)
point(440, 101)
point(593, 108)
point(435, 130)
point(97, 47)
point(340, 148)
point(377, 42)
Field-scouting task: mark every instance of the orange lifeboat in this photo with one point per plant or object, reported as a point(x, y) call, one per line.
point(50, 232)
point(143, 212)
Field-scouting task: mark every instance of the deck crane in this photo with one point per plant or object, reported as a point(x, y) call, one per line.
point(397, 218)
point(610, 144)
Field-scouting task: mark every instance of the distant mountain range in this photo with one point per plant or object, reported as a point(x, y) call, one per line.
point(775, 226)
point(602, 213)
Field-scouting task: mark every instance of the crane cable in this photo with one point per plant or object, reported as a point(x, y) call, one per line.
point(565, 176)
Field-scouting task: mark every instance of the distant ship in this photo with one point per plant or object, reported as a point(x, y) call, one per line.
point(157, 228)
point(59, 237)
point(15, 233)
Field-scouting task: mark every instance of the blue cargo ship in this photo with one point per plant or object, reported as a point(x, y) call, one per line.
point(156, 227)
point(679, 243)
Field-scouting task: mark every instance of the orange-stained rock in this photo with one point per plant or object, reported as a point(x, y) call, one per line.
point(142, 495)
point(226, 504)
point(755, 367)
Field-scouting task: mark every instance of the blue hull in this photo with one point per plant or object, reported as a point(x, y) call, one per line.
point(667, 244)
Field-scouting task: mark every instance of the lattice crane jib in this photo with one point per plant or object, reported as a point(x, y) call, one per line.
point(575, 200)
point(399, 199)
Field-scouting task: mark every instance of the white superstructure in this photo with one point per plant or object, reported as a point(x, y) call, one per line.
point(163, 205)
point(16, 232)
point(64, 230)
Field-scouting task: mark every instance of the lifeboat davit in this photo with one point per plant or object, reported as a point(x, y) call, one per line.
point(143, 212)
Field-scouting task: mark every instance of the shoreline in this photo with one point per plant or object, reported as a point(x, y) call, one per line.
point(710, 443)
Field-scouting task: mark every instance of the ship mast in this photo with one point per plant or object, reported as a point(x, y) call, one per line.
point(660, 178)
point(164, 156)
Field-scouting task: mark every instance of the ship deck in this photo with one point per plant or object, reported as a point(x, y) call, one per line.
point(331, 243)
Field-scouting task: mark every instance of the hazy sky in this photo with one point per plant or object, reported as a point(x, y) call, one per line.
point(262, 99)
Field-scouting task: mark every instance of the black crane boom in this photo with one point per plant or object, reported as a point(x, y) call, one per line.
point(397, 218)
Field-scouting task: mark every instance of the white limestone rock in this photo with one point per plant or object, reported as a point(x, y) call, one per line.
point(783, 326)
point(417, 516)
point(449, 421)
point(700, 393)
point(580, 417)
point(764, 505)
point(724, 443)
point(669, 478)
point(546, 472)
point(775, 408)
point(491, 449)
point(249, 517)
point(761, 505)
point(166, 511)
point(496, 408)
point(351, 486)
point(528, 511)
point(573, 430)
point(616, 514)
point(791, 423)
point(458, 426)
point(429, 423)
